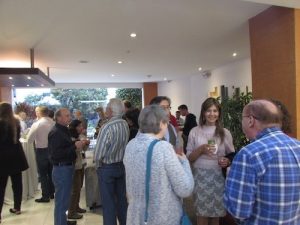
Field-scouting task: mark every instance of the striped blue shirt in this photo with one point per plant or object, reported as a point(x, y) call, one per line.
point(111, 141)
point(263, 185)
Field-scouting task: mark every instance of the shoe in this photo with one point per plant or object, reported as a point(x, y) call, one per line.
point(42, 200)
point(15, 211)
point(80, 210)
point(52, 196)
point(75, 216)
point(70, 222)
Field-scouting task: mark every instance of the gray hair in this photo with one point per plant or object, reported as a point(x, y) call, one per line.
point(150, 118)
point(116, 106)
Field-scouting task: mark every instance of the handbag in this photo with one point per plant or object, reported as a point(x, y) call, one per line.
point(184, 218)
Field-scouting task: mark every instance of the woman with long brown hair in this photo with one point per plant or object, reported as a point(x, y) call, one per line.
point(12, 157)
point(207, 145)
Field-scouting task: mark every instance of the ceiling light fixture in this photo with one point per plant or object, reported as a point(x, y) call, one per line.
point(165, 78)
point(12, 85)
point(29, 78)
point(112, 75)
point(10, 78)
point(42, 85)
point(133, 35)
point(234, 54)
point(200, 68)
point(27, 85)
point(120, 62)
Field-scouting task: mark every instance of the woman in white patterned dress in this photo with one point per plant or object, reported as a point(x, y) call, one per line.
point(207, 145)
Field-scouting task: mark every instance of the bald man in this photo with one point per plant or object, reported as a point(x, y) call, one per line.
point(263, 185)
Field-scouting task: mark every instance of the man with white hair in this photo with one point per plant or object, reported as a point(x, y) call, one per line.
point(109, 153)
point(263, 185)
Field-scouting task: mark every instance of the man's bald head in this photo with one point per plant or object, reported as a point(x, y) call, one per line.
point(266, 112)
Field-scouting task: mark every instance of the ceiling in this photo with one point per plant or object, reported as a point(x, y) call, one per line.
point(81, 41)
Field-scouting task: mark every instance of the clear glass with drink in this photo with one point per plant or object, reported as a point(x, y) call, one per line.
point(212, 143)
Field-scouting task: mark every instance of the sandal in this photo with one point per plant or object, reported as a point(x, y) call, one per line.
point(15, 211)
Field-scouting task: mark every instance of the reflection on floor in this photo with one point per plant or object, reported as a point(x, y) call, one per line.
point(42, 213)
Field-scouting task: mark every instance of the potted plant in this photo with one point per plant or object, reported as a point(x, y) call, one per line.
point(232, 108)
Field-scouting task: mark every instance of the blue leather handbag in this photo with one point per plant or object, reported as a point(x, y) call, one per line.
point(185, 220)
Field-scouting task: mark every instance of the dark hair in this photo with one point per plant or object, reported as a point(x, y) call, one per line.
point(133, 115)
point(51, 113)
point(72, 128)
point(183, 107)
point(209, 102)
point(127, 104)
point(286, 117)
point(158, 99)
point(7, 116)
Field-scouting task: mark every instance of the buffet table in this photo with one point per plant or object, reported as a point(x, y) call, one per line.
point(29, 176)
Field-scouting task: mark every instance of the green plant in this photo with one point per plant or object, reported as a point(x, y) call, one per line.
point(134, 95)
point(232, 108)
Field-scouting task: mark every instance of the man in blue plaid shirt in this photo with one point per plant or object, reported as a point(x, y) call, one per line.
point(263, 185)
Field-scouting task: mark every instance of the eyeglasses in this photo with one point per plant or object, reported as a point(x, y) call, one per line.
point(250, 116)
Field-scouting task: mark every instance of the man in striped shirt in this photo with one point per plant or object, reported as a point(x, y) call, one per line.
point(263, 185)
point(109, 151)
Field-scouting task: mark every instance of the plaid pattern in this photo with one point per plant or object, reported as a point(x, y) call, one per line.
point(263, 185)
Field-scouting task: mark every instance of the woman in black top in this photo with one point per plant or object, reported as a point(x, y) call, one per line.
point(12, 157)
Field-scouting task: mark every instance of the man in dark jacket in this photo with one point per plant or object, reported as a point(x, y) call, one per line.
point(190, 122)
point(63, 156)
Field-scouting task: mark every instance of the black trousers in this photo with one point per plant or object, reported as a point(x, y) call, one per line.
point(17, 187)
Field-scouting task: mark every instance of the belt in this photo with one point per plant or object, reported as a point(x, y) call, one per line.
point(63, 164)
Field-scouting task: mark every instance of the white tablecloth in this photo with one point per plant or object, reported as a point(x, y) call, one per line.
point(29, 176)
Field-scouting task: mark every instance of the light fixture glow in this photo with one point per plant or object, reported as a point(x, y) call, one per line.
point(112, 75)
point(120, 62)
point(42, 85)
point(165, 78)
point(29, 78)
point(27, 85)
point(10, 78)
point(234, 54)
point(12, 85)
point(200, 68)
point(133, 35)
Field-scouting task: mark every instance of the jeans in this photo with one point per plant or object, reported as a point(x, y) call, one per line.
point(113, 193)
point(62, 178)
point(45, 172)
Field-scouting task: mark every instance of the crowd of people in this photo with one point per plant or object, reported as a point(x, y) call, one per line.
point(262, 185)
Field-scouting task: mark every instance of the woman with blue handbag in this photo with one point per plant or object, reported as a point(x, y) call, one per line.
point(156, 178)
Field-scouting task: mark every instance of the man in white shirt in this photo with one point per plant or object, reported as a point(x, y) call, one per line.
point(39, 134)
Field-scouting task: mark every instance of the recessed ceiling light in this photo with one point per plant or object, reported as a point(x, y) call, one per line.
point(120, 62)
point(200, 68)
point(27, 85)
point(133, 35)
point(42, 85)
point(29, 78)
point(234, 54)
point(12, 85)
point(112, 75)
point(165, 78)
point(10, 78)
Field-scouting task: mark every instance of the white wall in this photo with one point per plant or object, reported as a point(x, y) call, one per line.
point(194, 90)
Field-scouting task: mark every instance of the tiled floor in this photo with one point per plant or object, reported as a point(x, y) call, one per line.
point(42, 214)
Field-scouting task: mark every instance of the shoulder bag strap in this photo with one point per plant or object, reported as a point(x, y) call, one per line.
point(148, 173)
